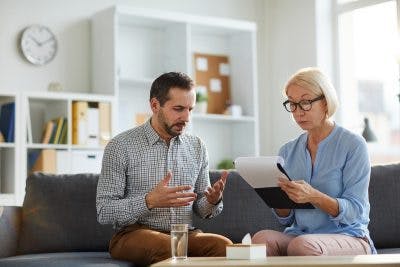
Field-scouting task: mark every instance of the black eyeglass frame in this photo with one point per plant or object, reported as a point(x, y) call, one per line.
point(301, 104)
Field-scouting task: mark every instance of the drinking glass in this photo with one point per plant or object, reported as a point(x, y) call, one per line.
point(179, 241)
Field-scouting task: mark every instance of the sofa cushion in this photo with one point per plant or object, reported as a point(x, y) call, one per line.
point(59, 214)
point(384, 197)
point(242, 203)
point(76, 259)
point(10, 223)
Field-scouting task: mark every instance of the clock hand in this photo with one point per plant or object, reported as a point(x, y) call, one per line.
point(48, 40)
point(33, 39)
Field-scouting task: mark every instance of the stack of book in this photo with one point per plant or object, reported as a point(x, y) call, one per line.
point(55, 131)
point(91, 123)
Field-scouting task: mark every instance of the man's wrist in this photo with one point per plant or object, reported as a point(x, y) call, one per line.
point(219, 201)
point(147, 201)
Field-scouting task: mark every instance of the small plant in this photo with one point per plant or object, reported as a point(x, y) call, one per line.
point(225, 164)
point(201, 94)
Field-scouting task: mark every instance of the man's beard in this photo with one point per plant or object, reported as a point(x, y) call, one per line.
point(168, 128)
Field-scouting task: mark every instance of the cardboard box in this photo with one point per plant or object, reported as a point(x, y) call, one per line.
point(246, 252)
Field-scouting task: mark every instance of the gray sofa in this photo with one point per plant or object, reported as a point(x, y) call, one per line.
point(57, 224)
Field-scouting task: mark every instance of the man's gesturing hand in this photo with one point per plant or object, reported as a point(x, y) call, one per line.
point(214, 193)
point(163, 196)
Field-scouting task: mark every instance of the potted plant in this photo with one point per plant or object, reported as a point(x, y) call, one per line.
point(201, 100)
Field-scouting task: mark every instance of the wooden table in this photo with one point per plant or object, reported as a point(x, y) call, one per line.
point(300, 261)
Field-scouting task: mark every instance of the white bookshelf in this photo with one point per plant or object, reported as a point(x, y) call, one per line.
point(9, 155)
point(133, 46)
point(40, 107)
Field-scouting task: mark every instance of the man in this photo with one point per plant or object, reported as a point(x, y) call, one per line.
point(154, 175)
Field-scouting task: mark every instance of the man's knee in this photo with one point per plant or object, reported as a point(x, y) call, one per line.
point(208, 245)
point(140, 252)
point(220, 242)
point(303, 245)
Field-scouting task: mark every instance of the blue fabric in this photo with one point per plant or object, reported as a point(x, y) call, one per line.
point(341, 170)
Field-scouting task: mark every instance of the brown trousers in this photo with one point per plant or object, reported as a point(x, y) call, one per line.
point(144, 246)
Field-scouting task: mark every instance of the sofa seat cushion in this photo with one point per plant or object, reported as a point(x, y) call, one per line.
point(66, 259)
point(59, 215)
point(389, 251)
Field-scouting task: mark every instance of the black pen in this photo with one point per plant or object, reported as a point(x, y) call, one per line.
point(283, 170)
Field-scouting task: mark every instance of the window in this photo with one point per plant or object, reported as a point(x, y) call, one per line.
point(369, 60)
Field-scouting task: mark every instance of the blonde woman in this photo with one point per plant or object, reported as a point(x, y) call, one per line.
point(330, 169)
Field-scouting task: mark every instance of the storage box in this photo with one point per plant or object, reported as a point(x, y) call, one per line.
point(246, 252)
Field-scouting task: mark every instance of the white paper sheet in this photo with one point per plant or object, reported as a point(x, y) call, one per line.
point(260, 172)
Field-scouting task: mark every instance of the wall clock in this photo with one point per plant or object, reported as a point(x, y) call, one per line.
point(38, 44)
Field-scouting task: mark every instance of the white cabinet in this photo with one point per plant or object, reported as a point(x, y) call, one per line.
point(131, 47)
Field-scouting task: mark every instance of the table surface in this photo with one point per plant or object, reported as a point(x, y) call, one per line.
point(301, 261)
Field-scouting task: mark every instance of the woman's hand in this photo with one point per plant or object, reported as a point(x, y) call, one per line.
point(302, 192)
point(299, 191)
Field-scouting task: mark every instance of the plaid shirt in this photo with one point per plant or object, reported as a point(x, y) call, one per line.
point(134, 162)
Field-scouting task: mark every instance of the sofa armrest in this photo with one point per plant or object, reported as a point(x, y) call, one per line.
point(10, 223)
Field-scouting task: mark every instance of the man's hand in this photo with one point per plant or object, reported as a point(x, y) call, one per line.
point(163, 196)
point(214, 193)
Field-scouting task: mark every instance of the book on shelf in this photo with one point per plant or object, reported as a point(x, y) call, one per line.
point(55, 131)
point(104, 123)
point(7, 121)
point(91, 123)
point(79, 122)
point(93, 127)
point(48, 129)
point(59, 124)
point(45, 161)
point(64, 132)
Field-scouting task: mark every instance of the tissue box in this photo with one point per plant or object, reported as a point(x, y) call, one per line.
point(246, 252)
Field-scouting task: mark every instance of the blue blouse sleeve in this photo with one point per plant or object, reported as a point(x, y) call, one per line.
point(353, 202)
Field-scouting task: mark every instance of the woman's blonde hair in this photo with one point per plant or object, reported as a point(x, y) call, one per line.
point(318, 83)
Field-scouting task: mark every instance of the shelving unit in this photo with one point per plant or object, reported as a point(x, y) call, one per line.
point(39, 108)
point(132, 46)
point(9, 154)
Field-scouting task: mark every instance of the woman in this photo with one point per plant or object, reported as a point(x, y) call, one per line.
point(330, 169)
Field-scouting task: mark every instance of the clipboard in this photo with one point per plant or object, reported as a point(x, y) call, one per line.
point(262, 173)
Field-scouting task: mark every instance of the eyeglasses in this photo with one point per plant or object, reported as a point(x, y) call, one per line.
point(304, 105)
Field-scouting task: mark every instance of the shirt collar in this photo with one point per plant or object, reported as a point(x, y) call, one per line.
point(153, 137)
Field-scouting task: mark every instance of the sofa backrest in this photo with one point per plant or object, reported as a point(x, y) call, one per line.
point(59, 214)
point(384, 198)
point(244, 211)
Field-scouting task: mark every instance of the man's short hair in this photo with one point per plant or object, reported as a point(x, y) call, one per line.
point(161, 86)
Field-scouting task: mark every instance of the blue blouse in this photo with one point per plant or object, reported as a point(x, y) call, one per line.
point(341, 170)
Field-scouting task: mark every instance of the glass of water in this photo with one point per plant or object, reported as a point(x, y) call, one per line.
point(179, 241)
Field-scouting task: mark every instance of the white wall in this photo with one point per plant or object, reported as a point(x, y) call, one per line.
point(286, 41)
point(70, 21)
point(294, 42)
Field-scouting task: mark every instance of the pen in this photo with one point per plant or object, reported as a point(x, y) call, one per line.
point(283, 170)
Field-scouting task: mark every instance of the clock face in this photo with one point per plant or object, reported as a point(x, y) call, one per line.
point(38, 44)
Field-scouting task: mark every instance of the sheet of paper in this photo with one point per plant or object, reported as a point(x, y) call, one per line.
point(260, 172)
point(215, 85)
point(224, 69)
point(202, 64)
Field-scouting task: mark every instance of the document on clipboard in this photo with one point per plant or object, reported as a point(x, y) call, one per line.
point(262, 174)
